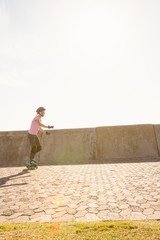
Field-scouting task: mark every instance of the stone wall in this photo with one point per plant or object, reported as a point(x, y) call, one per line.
point(82, 146)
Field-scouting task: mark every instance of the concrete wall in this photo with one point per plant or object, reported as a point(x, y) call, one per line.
point(126, 142)
point(14, 148)
point(79, 146)
point(69, 146)
point(157, 136)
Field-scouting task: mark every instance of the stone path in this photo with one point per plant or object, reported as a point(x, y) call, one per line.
point(128, 191)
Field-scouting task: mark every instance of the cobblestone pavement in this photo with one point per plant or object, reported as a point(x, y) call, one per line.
point(126, 191)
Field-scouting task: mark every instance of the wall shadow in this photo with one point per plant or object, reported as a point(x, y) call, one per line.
point(104, 161)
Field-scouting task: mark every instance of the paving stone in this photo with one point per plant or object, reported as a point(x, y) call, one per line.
point(138, 198)
point(103, 214)
point(37, 215)
point(59, 214)
point(72, 211)
point(45, 218)
point(145, 205)
point(7, 200)
point(102, 207)
point(15, 215)
point(21, 219)
point(92, 205)
point(91, 200)
point(72, 205)
point(155, 203)
point(133, 204)
point(49, 211)
point(148, 197)
point(92, 210)
point(136, 209)
point(82, 207)
point(82, 193)
point(156, 207)
point(113, 216)
point(148, 211)
point(68, 217)
point(125, 212)
point(142, 201)
point(29, 212)
point(3, 219)
point(137, 216)
point(112, 205)
point(40, 209)
point(154, 193)
point(80, 214)
point(8, 212)
point(155, 215)
point(89, 217)
point(114, 209)
point(34, 220)
point(33, 207)
point(123, 206)
point(111, 200)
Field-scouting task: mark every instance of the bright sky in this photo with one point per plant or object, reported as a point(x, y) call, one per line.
point(90, 63)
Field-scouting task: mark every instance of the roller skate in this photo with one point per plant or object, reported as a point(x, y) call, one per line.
point(31, 164)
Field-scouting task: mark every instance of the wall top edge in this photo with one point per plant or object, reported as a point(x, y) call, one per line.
point(131, 125)
point(78, 129)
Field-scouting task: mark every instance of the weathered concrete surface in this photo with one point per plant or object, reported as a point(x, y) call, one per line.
point(126, 191)
point(126, 142)
point(157, 135)
point(79, 146)
point(14, 148)
point(69, 146)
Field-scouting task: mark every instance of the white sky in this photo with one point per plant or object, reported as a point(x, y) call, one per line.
point(88, 62)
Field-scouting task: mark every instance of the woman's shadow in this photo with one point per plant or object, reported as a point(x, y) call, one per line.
point(4, 180)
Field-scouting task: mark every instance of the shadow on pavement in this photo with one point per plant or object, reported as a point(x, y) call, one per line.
point(4, 180)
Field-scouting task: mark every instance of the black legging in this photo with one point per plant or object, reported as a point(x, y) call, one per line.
point(35, 145)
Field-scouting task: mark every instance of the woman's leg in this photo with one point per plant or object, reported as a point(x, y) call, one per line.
point(35, 145)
